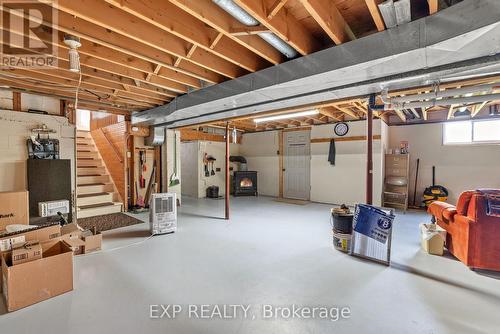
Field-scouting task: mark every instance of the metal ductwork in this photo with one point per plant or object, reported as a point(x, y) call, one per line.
point(457, 43)
point(156, 137)
point(243, 17)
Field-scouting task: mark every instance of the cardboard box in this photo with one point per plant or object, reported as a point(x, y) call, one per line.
point(41, 234)
point(70, 231)
point(432, 238)
point(93, 242)
point(26, 252)
point(77, 245)
point(89, 242)
point(14, 208)
point(32, 282)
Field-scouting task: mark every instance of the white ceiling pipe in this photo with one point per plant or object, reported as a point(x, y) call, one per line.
point(243, 17)
point(488, 88)
point(443, 102)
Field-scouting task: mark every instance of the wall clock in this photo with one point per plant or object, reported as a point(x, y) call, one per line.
point(341, 129)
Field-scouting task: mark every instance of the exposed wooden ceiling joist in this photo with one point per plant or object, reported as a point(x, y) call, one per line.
point(187, 27)
point(60, 77)
point(329, 18)
point(61, 93)
point(285, 26)
point(114, 19)
point(375, 13)
point(214, 16)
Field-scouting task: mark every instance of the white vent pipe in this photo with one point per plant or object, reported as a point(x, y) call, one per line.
point(442, 102)
point(243, 17)
point(487, 88)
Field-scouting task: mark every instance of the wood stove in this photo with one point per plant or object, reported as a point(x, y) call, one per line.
point(245, 183)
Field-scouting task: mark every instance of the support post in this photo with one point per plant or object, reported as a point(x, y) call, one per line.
point(227, 173)
point(369, 156)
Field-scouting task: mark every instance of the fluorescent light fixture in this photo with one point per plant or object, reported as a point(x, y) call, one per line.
point(286, 116)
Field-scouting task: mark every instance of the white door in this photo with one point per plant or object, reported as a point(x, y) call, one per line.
point(297, 164)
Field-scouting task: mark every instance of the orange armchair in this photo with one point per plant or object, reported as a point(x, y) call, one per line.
point(473, 227)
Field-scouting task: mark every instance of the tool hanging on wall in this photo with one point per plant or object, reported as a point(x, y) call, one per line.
point(139, 198)
point(142, 164)
point(151, 184)
point(205, 164)
point(174, 179)
point(211, 161)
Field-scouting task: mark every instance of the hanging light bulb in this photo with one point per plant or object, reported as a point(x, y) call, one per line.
point(73, 43)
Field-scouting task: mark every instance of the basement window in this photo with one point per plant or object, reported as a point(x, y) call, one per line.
point(472, 132)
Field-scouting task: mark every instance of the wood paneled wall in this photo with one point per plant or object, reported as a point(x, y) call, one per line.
point(111, 143)
point(101, 120)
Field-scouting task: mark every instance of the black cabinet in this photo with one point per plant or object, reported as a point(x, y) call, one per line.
point(48, 180)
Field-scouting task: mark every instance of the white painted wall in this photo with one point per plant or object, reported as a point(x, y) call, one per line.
point(169, 163)
point(189, 166)
point(346, 181)
point(14, 131)
point(39, 102)
point(261, 151)
point(195, 181)
point(458, 168)
point(343, 183)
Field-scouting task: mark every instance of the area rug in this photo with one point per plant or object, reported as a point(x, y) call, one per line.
point(292, 201)
point(108, 222)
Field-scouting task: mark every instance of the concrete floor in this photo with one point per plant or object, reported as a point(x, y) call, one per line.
point(269, 253)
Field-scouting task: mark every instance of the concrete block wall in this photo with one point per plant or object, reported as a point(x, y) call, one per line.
point(15, 129)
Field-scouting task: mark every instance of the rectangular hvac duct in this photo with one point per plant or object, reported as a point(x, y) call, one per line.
point(459, 42)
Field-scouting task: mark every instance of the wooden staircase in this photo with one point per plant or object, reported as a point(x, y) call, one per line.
point(95, 188)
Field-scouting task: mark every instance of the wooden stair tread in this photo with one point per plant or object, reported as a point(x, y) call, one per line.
point(93, 175)
point(93, 195)
point(100, 205)
point(91, 184)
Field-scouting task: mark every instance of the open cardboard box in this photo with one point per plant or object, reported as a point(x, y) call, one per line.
point(41, 234)
point(32, 282)
point(82, 242)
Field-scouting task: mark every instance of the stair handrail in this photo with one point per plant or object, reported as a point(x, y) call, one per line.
point(113, 146)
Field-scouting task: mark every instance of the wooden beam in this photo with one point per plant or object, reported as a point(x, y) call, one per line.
point(110, 46)
point(347, 111)
point(112, 19)
point(184, 26)
point(375, 13)
point(329, 18)
point(433, 6)
point(450, 111)
point(248, 30)
point(284, 25)
point(71, 80)
point(401, 115)
point(90, 102)
point(339, 139)
point(477, 109)
point(90, 63)
point(214, 16)
point(275, 8)
point(16, 101)
point(216, 40)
